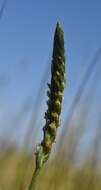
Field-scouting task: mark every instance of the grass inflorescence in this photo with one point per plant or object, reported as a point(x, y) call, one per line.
point(55, 96)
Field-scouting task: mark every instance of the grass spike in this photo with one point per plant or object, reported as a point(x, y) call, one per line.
point(55, 96)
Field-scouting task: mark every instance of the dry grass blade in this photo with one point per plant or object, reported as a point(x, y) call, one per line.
point(75, 132)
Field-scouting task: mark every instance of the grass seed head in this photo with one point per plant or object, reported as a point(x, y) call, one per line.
point(55, 96)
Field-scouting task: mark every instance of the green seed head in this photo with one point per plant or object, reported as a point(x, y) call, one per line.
point(55, 95)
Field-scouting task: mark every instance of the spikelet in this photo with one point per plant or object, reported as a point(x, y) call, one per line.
point(55, 96)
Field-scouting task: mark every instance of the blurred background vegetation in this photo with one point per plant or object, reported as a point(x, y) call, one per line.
point(75, 161)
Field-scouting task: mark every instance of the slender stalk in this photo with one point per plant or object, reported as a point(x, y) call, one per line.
point(55, 96)
point(33, 180)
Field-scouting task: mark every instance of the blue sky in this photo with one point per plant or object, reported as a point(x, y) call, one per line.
point(26, 38)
